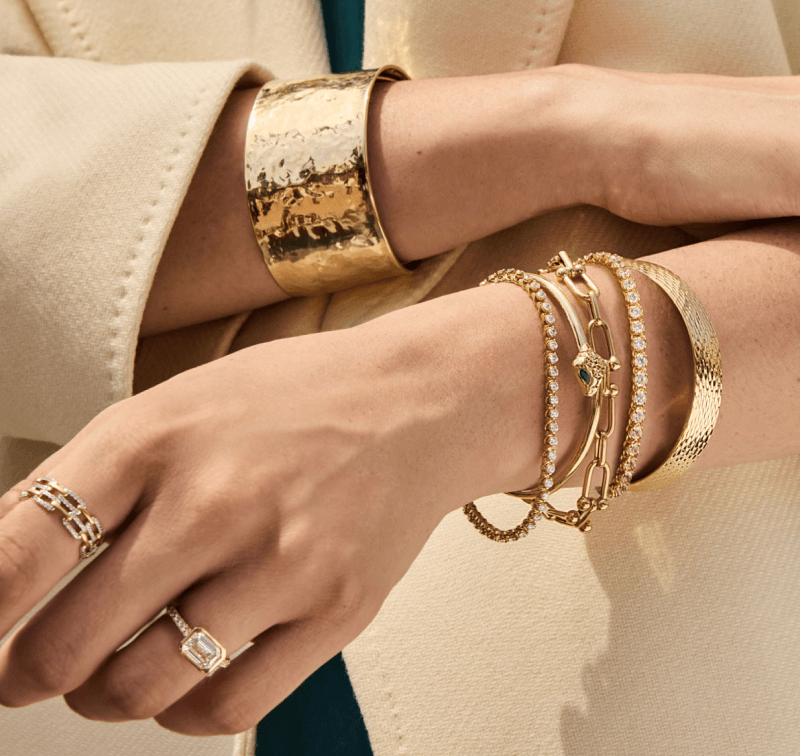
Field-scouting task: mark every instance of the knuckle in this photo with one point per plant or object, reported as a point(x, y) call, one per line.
point(580, 70)
point(10, 498)
point(17, 569)
point(345, 598)
point(130, 696)
point(230, 717)
point(343, 591)
point(126, 433)
point(205, 510)
point(225, 716)
point(51, 669)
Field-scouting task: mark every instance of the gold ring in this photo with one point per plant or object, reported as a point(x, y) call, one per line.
point(81, 525)
point(200, 647)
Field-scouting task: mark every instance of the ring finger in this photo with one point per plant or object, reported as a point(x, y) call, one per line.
point(150, 674)
point(117, 593)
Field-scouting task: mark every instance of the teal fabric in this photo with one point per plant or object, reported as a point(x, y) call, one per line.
point(344, 31)
point(321, 718)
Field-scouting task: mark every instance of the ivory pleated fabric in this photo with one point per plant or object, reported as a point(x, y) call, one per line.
point(671, 629)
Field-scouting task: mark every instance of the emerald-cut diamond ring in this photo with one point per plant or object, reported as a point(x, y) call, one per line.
point(200, 647)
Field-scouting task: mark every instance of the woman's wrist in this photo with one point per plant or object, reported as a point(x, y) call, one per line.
point(454, 160)
point(469, 366)
point(451, 161)
point(471, 362)
point(686, 148)
point(212, 266)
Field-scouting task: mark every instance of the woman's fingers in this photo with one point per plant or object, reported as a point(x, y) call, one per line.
point(109, 601)
point(36, 549)
point(150, 674)
point(8, 502)
point(249, 515)
point(278, 662)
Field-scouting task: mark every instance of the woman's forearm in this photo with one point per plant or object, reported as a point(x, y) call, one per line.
point(212, 266)
point(748, 283)
point(451, 160)
point(454, 160)
point(475, 358)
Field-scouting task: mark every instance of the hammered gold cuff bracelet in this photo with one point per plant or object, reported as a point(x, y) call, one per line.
point(307, 181)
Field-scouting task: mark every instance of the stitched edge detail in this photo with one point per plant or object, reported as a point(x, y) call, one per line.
point(390, 700)
point(244, 744)
point(140, 242)
point(79, 30)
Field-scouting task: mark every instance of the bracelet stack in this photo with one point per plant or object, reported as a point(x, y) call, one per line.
point(594, 374)
point(539, 492)
point(315, 221)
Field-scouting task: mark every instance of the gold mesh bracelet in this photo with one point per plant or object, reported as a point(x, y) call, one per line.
point(707, 378)
point(307, 181)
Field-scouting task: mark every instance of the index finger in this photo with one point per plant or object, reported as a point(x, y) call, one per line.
point(37, 548)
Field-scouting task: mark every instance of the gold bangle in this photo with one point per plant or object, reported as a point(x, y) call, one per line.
point(707, 359)
point(307, 181)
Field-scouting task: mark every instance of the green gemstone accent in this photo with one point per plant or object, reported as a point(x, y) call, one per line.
point(584, 376)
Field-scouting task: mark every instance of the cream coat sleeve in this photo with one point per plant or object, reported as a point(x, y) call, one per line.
point(105, 109)
point(95, 160)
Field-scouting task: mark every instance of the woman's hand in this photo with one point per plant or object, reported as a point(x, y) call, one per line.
point(678, 149)
point(454, 160)
point(275, 495)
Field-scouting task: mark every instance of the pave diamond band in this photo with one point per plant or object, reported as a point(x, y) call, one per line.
point(81, 525)
point(200, 647)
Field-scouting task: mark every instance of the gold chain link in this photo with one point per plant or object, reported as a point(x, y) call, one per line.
point(572, 274)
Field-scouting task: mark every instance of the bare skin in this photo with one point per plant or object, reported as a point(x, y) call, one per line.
point(345, 450)
point(454, 160)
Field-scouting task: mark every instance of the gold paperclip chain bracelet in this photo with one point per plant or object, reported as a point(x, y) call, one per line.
point(570, 274)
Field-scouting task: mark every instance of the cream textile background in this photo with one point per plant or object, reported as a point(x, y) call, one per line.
point(645, 638)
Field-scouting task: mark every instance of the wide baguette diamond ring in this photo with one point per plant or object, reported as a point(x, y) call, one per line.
point(81, 525)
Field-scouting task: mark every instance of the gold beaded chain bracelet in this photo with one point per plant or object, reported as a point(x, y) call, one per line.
point(549, 455)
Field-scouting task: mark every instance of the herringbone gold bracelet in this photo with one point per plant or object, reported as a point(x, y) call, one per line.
point(707, 396)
